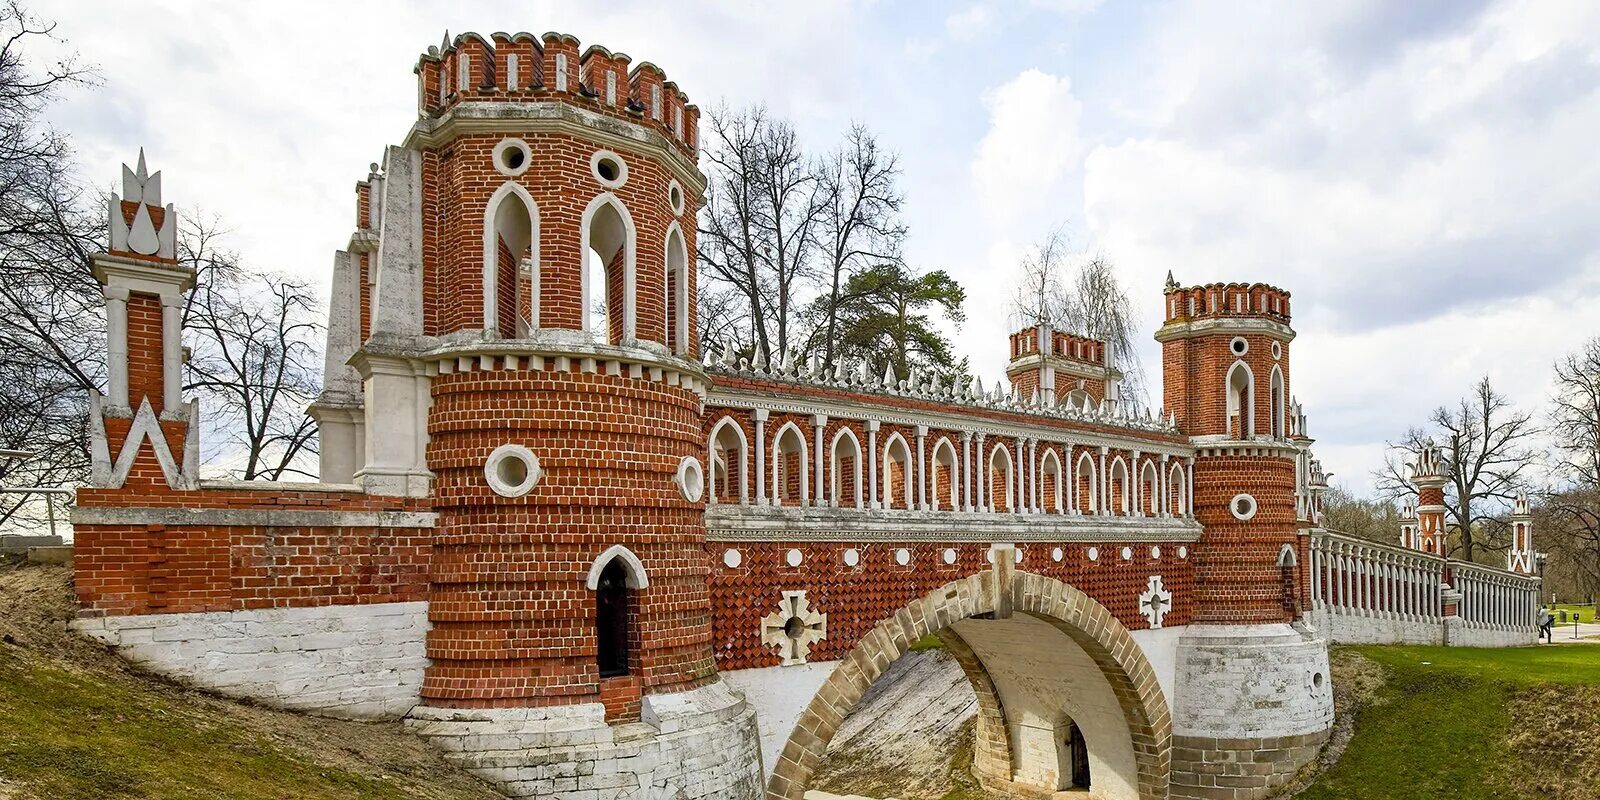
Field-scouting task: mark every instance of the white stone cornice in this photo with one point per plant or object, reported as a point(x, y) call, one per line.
point(733, 523)
point(1225, 326)
point(555, 116)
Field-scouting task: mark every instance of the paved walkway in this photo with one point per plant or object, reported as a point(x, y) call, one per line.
point(1583, 632)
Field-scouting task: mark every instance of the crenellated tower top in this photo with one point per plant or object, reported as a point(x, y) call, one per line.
point(1225, 300)
point(521, 67)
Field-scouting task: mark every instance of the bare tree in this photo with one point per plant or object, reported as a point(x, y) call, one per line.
point(1373, 520)
point(1040, 298)
point(1486, 449)
point(1569, 522)
point(51, 328)
point(256, 356)
point(859, 227)
point(730, 236)
point(1084, 298)
point(1575, 412)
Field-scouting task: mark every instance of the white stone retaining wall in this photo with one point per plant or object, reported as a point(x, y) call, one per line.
point(694, 745)
point(1251, 682)
point(348, 661)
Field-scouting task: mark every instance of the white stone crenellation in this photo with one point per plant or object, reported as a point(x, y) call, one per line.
point(346, 661)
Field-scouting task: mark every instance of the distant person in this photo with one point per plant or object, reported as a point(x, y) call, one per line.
point(1547, 623)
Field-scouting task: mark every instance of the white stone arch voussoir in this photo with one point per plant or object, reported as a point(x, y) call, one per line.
point(1132, 679)
point(637, 579)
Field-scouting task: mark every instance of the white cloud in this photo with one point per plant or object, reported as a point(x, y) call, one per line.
point(1429, 200)
point(1031, 147)
point(969, 23)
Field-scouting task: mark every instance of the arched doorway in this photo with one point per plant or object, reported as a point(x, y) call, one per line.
point(1008, 626)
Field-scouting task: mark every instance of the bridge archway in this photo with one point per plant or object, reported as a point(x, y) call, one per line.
point(1133, 758)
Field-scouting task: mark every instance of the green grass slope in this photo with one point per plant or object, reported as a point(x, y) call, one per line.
point(77, 722)
point(1469, 723)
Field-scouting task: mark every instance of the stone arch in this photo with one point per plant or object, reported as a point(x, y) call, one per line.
point(943, 466)
point(1051, 484)
point(721, 472)
point(1086, 485)
point(790, 473)
point(1276, 410)
point(511, 220)
point(846, 486)
point(1118, 488)
point(999, 594)
point(897, 456)
point(1000, 474)
point(637, 578)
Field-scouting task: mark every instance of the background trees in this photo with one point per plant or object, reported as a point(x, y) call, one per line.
point(1568, 522)
point(1488, 450)
point(253, 336)
point(1080, 294)
point(802, 254)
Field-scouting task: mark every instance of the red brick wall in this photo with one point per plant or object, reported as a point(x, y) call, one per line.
point(142, 569)
point(857, 598)
point(460, 178)
point(1236, 562)
point(513, 621)
point(145, 351)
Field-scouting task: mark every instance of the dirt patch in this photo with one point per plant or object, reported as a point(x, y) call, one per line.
point(1555, 736)
point(1357, 681)
point(36, 603)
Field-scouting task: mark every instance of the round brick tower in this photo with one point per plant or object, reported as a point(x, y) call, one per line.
point(531, 367)
point(1226, 381)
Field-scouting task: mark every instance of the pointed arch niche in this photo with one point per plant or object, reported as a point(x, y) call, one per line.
point(511, 262)
point(609, 245)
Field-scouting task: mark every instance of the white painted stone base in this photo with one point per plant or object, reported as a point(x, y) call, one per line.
point(778, 695)
point(1473, 636)
point(695, 745)
point(1251, 682)
point(348, 661)
point(1342, 627)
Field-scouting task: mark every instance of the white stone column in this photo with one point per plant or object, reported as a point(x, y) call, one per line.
point(819, 423)
point(1188, 495)
point(966, 470)
point(117, 345)
point(1033, 473)
point(760, 416)
point(171, 350)
point(1163, 479)
point(1019, 468)
point(872, 460)
point(1104, 489)
point(982, 474)
point(922, 467)
point(1069, 473)
point(1136, 490)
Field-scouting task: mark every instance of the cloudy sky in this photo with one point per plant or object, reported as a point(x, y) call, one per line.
point(1422, 176)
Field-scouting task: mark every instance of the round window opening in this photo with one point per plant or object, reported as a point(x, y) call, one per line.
point(608, 168)
point(1316, 679)
point(794, 628)
point(1243, 506)
point(1277, 350)
point(1239, 346)
point(675, 197)
point(512, 470)
point(512, 157)
point(690, 479)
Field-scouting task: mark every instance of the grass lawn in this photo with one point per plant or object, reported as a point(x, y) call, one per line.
point(77, 724)
point(1471, 723)
point(1583, 613)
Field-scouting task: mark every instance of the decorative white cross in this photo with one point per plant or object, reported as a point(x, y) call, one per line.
point(793, 628)
point(1155, 602)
